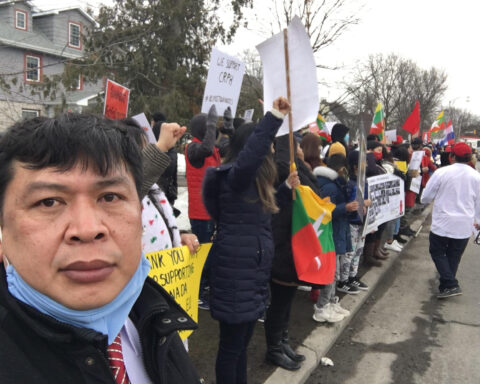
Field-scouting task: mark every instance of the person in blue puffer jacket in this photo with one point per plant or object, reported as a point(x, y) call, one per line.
point(240, 196)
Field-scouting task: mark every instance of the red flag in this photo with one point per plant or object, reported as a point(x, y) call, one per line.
point(412, 124)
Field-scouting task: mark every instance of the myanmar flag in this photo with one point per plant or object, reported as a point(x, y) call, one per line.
point(378, 123)
point(437, 130)
point(323, 130)
point(312, 237)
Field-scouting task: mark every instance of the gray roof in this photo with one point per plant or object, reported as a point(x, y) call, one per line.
point(57, 11)
point(34, 41)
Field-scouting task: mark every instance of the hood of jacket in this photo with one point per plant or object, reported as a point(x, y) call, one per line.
point(325, 172)
point(198, 126)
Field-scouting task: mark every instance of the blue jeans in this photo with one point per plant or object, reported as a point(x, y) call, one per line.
point(446, 254)
point(203, 229)
point(231, 365)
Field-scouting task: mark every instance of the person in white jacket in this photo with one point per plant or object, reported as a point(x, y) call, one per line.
point(455, 191)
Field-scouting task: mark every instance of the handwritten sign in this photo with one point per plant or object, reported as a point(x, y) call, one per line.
point(224, 82)
point(179, 272)
point(116, 101)
point(142, 120)
point(303, 75)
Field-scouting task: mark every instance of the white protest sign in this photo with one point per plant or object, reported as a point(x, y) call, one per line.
point(415, 184)
point(391, 135)
point(248, 115)
point(416, 160)
point(141, 119)
point(303, 75)
point(224, 82)
point(388, 200)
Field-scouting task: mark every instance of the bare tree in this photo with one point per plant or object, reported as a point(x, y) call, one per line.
point(397, 83)
point(464, 122)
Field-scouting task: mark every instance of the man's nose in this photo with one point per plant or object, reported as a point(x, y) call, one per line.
point(85, 222)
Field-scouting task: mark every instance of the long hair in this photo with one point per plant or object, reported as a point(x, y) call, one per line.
point(310, 145)
point(266, 174)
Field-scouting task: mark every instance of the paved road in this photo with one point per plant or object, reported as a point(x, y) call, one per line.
point(404, 335)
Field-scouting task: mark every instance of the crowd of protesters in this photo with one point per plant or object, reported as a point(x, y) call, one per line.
point(240, 180)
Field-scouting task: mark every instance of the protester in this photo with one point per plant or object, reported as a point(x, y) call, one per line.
point(200, 154)
point(311, 145)
point(284, 280)
point(74, 280)
point(455, 192)
point(332, 181)
point(240, 196)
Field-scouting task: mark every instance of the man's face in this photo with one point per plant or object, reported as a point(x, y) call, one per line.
point(74, 236)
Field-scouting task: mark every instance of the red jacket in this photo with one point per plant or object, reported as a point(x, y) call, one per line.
point(196, 209)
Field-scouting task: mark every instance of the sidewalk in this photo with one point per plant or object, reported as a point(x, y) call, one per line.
point(308, 337)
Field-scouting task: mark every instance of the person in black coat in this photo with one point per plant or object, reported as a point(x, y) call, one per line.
point(240, 196)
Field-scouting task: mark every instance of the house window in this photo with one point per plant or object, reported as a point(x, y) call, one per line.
point(78, 84)
point(30, 113)
point(74, 35)
point(21, 20)
point(32, 68)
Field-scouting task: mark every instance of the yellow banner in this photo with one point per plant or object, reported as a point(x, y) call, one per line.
point(402, 165)
point(179, 272)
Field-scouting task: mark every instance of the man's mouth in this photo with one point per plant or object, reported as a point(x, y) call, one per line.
point(88, 272)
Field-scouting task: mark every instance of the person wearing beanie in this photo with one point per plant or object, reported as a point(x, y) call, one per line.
point(455, 192)
point(339, 134)
point(337, 148)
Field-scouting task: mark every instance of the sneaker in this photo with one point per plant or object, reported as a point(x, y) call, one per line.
point(392, 247)
point(326, 314)
point(203, 304)
point(449, 292)
point(354, 281)
point(406, 231)
point(347, 288)
point(338, 308)
point(397, 244)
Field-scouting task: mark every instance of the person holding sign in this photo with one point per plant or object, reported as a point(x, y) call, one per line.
point(76, 303)
point(240, 196)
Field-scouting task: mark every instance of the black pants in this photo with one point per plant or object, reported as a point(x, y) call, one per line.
point(278, 313)
point(446, 254)
point(231, 366)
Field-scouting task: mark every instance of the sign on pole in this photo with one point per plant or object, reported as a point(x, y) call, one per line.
point(116, 101)
point(303, 75)
point(224, 82)
point(142, 120)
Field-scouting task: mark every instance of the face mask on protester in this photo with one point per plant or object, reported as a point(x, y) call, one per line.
point(378, 155)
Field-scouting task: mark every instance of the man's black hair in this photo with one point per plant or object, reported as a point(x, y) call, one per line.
point(461, 159)
point(372, 137)
point(66, 140)
point(159, 116)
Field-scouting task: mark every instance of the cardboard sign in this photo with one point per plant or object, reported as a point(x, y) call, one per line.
point(116, 101)
point(388, 200)
point(179, 272)
point(303, 75)
point(142, 120)
point(224, 82)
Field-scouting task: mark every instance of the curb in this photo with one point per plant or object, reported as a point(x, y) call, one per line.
point(317, 344)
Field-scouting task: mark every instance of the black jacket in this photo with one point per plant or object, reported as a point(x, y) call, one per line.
point(35, 348)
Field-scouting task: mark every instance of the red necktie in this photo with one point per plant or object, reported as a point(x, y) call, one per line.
point(115, 358)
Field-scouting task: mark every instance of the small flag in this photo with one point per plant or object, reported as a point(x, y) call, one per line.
point(323, 130)
point(378, 123)
point(449, 135)
point(437, 128)
point(312, 237)
point(412, 124)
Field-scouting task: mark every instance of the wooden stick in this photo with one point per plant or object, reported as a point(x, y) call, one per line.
point(290, 120)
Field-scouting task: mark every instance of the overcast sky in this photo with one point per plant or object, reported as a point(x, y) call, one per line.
point(440, 33)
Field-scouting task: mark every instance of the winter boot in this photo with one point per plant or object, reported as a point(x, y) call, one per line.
point(276, 356)
point(289, 350)
point(368, 258)
point(377, 253)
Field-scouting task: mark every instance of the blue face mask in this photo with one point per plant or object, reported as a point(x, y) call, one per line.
point(347, 138)
point(107, 319)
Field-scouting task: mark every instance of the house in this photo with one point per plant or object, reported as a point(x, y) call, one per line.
point(35, 48)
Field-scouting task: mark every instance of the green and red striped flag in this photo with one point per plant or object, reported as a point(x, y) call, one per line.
point(378, 123)
point(312, 237)
point(437, 130)
point(323, 130)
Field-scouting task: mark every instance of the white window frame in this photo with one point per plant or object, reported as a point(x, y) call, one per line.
point(31, 111)
point(25, 20)
point(79, 85)
point(27, 70)
point(79, 26)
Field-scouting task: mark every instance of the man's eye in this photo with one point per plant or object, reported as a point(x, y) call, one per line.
point(109, 197)
point(48, 202)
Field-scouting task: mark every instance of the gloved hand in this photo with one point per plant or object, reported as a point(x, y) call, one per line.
point(212, 117)
point(227, 128)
